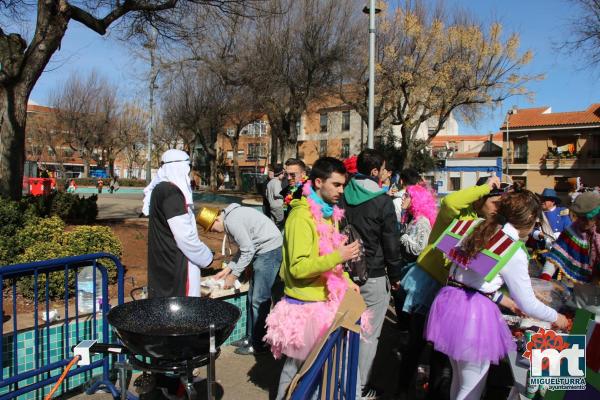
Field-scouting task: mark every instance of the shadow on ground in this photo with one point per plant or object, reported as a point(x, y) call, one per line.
point(265, 373)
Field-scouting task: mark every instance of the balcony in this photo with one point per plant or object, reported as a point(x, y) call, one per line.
point(568, 160)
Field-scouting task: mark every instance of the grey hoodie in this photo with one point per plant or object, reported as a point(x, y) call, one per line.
point(253, 232)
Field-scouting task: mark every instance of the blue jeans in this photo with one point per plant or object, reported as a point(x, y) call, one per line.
point(265, 269)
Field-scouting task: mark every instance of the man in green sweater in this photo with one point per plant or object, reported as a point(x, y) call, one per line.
point(308, 263)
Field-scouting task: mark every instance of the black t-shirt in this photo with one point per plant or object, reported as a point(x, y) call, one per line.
point(167, 265)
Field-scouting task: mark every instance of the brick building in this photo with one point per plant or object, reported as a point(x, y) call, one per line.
point(553, 150)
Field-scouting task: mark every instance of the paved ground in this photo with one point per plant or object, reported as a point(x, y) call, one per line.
point(245, 377)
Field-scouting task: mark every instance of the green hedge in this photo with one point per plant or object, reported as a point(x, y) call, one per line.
point(71, 208)
point(33, 229)
point(61, 183)
point(45, 238)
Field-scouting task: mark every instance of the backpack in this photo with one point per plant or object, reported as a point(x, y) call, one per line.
point(357, 268)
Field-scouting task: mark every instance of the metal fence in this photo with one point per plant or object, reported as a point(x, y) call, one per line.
point(334, 373)
point(34, 353)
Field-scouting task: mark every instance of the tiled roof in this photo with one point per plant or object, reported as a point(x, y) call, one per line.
point(542, 116)
point(441, 139)
point(37, 108)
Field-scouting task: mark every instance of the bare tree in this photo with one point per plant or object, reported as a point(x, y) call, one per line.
point(586, 29)
point(23, 62)
point(196, 103)
point(86, 107)
point(293, 56)
point(131, 127)
point(431, 65)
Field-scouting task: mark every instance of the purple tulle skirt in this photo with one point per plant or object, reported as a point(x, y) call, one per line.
point(467, 326)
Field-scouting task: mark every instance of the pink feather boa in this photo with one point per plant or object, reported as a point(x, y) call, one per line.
point(294, 329)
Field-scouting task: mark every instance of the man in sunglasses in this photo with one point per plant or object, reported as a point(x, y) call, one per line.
point(175, 252)
point(294, 178)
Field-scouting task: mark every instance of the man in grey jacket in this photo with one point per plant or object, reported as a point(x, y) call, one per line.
point(275, 198)
point(259, 242)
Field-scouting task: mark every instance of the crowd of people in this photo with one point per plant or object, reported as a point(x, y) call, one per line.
point(442, 263)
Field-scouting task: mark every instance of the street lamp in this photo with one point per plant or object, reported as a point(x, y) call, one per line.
point(151, 46)
point(508, 114)
point(371, 9)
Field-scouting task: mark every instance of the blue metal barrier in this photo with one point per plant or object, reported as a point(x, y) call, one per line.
point(338, 360)
point(35, 364)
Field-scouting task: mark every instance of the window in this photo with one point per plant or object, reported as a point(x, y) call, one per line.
point(256, 151)
point(563, 184)
point(345, 120)
point(345, 148)
point(594, 146)
point(230, 132)
point(520, 151)
point(323, 122)
point(454, 183)
point(230, 155)
point(256, 128)
point(323, 148)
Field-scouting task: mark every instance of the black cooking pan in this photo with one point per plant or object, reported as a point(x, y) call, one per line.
point(172, 328)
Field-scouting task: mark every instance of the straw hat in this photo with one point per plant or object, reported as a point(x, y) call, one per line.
point(207, 217)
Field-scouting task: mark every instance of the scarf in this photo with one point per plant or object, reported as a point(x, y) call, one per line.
point(330, 239)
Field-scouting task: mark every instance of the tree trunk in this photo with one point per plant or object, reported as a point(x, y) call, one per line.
point(86, 167)
point(13, 116)
point(111, 167)
point(289, 149)
point(236, 165)
point(407, 149)
point(274, 148)
point(213, 173)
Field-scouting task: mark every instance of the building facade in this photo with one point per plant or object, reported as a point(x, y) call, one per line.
point(331, 128)
point(462, 160)
point(553, 150)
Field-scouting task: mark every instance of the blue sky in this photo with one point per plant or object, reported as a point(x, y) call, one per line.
point(541, 24)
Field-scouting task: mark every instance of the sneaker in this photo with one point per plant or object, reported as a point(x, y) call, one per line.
point(249, 351)
point(369, 393)
point(241, 342)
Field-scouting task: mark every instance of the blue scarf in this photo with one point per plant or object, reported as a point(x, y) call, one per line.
point(326, 208)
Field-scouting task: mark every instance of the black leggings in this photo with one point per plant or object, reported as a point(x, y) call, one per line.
point(420, 352)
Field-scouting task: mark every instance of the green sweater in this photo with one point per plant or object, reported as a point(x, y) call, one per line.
point(455, 205)
point(302, 266)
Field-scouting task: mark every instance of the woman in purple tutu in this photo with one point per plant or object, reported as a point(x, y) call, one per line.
point(464, 322)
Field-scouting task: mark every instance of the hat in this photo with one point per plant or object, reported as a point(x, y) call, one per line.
point(505, 186)
point(550, 194)
point(207, 217)
point(586, 204)
point(278, 170)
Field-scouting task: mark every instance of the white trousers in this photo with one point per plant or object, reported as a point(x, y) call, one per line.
point(468, 379)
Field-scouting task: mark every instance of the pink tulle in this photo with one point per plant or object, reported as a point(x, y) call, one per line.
point(294, 329)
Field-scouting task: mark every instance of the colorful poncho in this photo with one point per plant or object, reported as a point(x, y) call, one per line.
point(572, 253)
